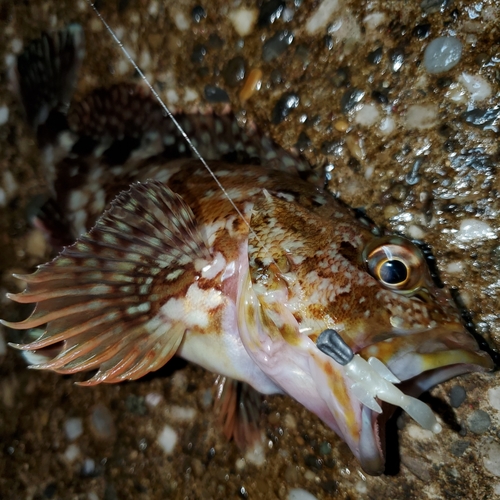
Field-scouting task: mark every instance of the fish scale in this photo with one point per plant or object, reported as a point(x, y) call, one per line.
point(163, 266)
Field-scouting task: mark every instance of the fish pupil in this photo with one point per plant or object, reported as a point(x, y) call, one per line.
point(393, 272)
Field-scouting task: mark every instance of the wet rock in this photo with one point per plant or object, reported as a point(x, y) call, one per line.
point(328, 40)
point(276, 45)
point(458, 447)
point(375, 56)
point(457, 396)
point(215, 94)
point(270, 11)
point(350, 98)
point(442, 54)
point(380, 96)
point(485, 119)
point(397, 58)
point(422, 31)
point(479, 422)
point(198, 13)
point(303, 142)
point(413, 177)
point(199, 53)
point(284, 106)
point(234, 71)
point(474, 158)
point(433, 6)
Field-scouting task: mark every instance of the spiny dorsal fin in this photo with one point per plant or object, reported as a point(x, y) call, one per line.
point(102, 296)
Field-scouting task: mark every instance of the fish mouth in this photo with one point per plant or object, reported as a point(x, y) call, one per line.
point(418, 372)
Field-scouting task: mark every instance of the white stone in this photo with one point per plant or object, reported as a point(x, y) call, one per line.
point(456, 267)
point(367, 115)
point(153, 399)
point(421, 116)
point(182, 414)
point(477, 86)
point(322, 16)
point(474, 229)
point(494, 397)
point(72, 453)
point(181, 21)
point(256, 454)
point(374, 20)
point(387, 125)
point(243, 20)
point(300, 494)
point(491, 457)
point(73, 428)
point(416, 232)
point(167, 439)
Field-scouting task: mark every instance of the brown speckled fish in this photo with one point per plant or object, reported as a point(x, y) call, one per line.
point(163, 265)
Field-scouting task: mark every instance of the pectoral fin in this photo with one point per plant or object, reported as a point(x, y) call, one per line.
point(102, 296)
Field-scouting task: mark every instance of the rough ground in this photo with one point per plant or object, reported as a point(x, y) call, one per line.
point(434, 179)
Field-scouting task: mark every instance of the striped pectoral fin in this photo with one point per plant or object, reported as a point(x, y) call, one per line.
point(102, 296)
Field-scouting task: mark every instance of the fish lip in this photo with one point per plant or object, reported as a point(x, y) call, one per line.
point(434, 368)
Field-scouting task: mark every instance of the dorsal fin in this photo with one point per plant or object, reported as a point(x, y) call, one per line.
point(102, 296)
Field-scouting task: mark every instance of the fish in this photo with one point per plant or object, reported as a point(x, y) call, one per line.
point(238, 265)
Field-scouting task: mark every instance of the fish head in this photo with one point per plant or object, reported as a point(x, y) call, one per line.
point(315, 270)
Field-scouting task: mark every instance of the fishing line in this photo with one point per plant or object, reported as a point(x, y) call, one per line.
point(170, 115)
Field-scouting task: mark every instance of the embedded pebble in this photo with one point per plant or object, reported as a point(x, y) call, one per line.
point(167, 439)
point(300, 494)
point(375, 56)
point(491, 457)
point(73, 428)
point(270, 11)
point(442, 54)
point(215, 94)
point(243, 20)
point(494, 397)
point(101, 421)
point(88, 467)
point(479, 422)
point(458, 447)
point(276, 45)
point(485, 119)
point(457, 396)
point(421, 116)
point(397, 58)
point(4, 115)
point(422, 31)
point(322, 16)
point(367, 115)
point(71, 453)
point(474, 229)
point(252, 84)
point(256, 454)
point(284, 106)
point(350, 99)
point(198, 13)
point(433, 6)
point(182, 414)
point(477, 86)
point(181, 21)
point(153, 399)
point(234, 71)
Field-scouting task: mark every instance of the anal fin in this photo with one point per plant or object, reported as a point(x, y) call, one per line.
point(102, 296)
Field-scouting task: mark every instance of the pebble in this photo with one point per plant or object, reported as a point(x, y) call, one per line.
point(72, 453)
point(88, 468)
point(458, 447)
point(375, 56)
point(494, 397)
point(300, 494)
point(153, 399)
point(182, 414)
point(4, 115)
point(320, 19)
point(485, 119)
point(136, 405)
point(433, 6)
point(350, 99)
point(256, 454)
point(252, 84)
point(457, 396)
point(367, 115)
point(421, 116)
point(270, 11)
point(397, 58)
point(422, 31)
point(101, 422)
point(215, 94)
point(234, 71)
point(73, 428)
point(198, 13)
point(243, 20)
point(473, 229)
point(276, 45)
point(199, 53)
point(491, 457)
point(442, 54)
point(167, 439)
point(479, 422)
point(284, 106)
point(477, 86)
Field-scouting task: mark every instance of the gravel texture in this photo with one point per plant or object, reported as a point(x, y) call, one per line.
point(419, 151)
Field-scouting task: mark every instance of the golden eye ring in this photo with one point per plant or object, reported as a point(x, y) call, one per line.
point(396, 263)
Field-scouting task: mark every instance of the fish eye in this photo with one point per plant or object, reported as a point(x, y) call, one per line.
point(396, 263)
